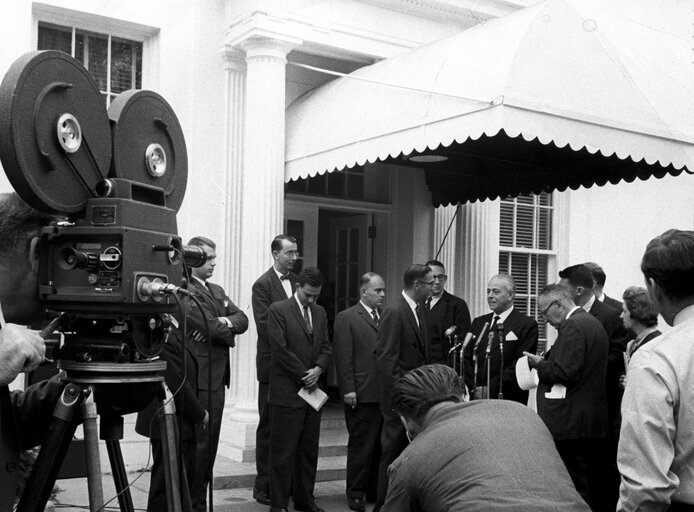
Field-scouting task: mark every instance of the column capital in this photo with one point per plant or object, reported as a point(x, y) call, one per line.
point(268, 47)
point(234, 58)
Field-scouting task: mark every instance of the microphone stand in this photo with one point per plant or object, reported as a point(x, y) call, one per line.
point(500, 329)
point(475, 359)
point(487, 361)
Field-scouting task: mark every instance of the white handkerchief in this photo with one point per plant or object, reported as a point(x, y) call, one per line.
point(527, 378)
point(511, 336)
point(557, 391)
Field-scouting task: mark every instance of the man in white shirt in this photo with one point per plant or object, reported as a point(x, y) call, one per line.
point(656, 446)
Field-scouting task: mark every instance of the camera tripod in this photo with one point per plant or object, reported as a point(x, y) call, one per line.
point(107, 395)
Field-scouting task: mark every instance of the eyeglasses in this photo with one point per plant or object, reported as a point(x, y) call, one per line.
point(427, 283)
point(545, 311)
point(293, 254)
point(440, 277)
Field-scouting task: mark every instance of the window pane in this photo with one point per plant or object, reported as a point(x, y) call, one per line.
point(355, 186)
point(336, 184)
point(506, 233)
point(354, 245)
point(519, 272)
point(54, 37)
point(95, 48)
point(504, 262)
point(123, 65)
point(316, 185)
point(524, 226)
point(544, 228)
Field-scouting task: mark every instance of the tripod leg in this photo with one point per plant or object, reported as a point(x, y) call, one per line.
point(170, 449)
point(91, 440)
point(53, 450)
point(120, 476)
point(111, 433)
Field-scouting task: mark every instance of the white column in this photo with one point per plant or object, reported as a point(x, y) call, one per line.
point(479, 247)
point(258, 207)
point(445, 218)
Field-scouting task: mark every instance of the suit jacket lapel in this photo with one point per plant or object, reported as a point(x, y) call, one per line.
point(415, 326)
point(300, 318)
point(367, 317)
point(276, 283)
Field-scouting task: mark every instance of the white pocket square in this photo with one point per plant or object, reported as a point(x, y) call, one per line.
point(511, 336)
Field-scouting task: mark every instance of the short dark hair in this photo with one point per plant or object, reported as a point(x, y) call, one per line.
point(420, 389)
point(640, 306)
point(598, 273)
point(311, 276)
point(669, 261)
point(435, 263)
point(276, 244)
point(414, 273)
point(201, 240)
point(19, 223)
point(578, 275)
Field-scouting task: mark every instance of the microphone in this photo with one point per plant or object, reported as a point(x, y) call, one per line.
point(481, 335)
point(500, 329)
point(466, 340)
point(450, 331)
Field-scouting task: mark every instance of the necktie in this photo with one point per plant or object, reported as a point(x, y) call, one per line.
point(307, 321)
point(375, 315)
point(420, 318)
point(283, 277)
point(428, 304)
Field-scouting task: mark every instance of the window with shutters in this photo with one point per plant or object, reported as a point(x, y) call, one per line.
point(115, 63)
point(526, 248)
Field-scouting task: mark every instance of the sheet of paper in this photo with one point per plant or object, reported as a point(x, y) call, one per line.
point(316, 399)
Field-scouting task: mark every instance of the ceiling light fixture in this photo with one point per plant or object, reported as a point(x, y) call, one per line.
point(427, 159)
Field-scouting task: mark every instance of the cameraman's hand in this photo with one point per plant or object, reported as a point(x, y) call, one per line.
point(21, 350)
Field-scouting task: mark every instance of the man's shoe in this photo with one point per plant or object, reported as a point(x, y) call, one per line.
point(261, 497)
point(356, 504)
point(311, 507)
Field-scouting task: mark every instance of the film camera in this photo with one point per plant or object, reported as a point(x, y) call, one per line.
point(119, 177)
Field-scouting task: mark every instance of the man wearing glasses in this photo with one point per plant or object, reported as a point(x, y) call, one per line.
point(571, 397)
point(402, 344)
point(278, 283)
point(445, 313)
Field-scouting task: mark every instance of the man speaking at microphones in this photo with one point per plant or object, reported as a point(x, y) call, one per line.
point(509, 329)
point(447, 316)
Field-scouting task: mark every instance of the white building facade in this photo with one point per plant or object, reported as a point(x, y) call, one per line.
point(230, 69)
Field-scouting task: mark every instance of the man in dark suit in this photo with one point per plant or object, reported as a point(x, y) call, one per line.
point(191, 415)
point(443, 312)
point(599, 279)
point(298, 332)
point(571, 393)
point(579, 280)
point(224, 321)
point(278, 283)
point(354, 344)
point(402, 345)
point(520, 335)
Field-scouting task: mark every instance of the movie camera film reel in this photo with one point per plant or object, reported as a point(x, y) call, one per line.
point(58, 143)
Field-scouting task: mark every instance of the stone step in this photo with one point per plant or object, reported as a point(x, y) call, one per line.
point(238, 475)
